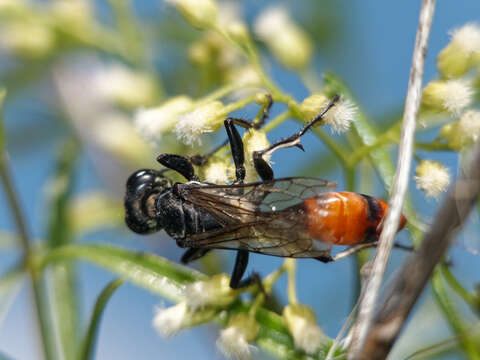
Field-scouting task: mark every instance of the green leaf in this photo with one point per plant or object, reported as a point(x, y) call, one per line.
point(3, 94)
point(149, 271)
point(89, 340)
point(64, 290)
point(9, 285)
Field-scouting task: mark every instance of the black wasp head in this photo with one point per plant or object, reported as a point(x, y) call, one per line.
point(143, 187)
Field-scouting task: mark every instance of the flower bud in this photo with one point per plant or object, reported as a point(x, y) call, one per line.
point(290, 44)
point(339, 117)
point(451, 95)
point(464, 132)
point(461, 53)
point(254, 140)
point(300, 321)
point(215, 292)
point(169, 321)
point(432, 178)
point(206, 118)
point(238, 31)
point(27, 39)
point(234, 340)
point(125, 87)
point(201, 14)
point(73, 13)
point(153, 123)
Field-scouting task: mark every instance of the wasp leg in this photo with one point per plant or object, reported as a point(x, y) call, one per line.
point(264, 112)
point(262, 167)
point(193, 254)
point(238, 153)
point(178, 163)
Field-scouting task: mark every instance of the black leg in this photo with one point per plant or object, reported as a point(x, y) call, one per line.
point(201, 160)
point(241, 263)
point(263, 168)
point(193, 254)
point(236, 145)
point(178, 163)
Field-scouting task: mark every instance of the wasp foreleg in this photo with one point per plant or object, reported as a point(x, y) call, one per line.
point(178, 163)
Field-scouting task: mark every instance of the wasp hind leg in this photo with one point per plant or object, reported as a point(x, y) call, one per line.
point(239, 268)
point(262, 167)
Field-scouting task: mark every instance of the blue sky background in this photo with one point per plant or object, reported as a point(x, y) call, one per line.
point(372, 54)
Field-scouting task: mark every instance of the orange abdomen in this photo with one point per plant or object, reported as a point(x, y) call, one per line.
point(345, 218)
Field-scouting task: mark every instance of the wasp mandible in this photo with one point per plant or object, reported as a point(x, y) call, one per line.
point(295, 217)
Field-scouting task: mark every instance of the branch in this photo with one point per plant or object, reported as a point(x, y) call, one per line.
point(416, 270)
point(412, 104)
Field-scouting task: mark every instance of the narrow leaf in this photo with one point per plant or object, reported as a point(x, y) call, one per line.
point(88, 344)
point(149, 271)
point(59, 233)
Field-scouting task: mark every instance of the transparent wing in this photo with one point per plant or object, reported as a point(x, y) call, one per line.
point(283, 233)
point(231, 204)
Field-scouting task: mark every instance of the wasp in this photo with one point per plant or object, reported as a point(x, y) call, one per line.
point(297, 217)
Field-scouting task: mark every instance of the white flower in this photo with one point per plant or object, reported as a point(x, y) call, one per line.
point(467, 37)
point(169, 321)
point(450, 95)
point(216, 172)
point(233, 341)
point(462, 53)
point(198, 13)
point(119, 84)
point(289, 43)
point(340, 116)
point(432, 177)
point(117, 135)
point(207, 118)
point(152, 123)
point(469, 126)
point(300, 321)
point(213, 292)
point(464, 132)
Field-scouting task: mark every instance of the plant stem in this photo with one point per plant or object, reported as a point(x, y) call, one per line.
point(372, 286)
point(39, 300)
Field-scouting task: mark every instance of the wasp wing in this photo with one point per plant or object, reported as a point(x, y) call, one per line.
point(263, 217)
point(231, 204)
point(282, 233)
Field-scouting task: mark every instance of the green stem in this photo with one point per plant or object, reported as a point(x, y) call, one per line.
point(468, 297)
point(39, 301)
point(453, 317)
point(436, 145)
point(290, 266)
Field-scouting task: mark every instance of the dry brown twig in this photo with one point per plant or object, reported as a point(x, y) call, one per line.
point(415, 272)
point(400, 185)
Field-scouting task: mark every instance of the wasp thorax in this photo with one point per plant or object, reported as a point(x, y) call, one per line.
point(143, 187)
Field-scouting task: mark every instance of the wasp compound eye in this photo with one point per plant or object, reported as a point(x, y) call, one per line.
point(143, 187)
